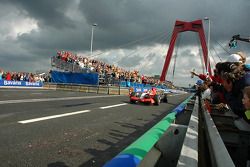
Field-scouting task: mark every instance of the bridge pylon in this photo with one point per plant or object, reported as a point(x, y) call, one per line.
point(181, 26)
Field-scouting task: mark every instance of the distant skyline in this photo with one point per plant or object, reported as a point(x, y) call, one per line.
point(130, 34)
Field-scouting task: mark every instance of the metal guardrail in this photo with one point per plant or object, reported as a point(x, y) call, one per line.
point(218, 152)
point(114, 90)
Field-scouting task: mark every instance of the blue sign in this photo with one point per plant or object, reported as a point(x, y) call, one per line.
point(20, 83)
point(73, 77)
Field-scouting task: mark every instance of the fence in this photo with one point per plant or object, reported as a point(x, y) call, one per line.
point(99, 89)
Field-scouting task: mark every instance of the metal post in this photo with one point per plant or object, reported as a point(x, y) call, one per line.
point(92, 36)
point(208, 43)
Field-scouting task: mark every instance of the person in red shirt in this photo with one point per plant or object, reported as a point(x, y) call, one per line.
point(8, 76)
point(215, 78)
point(152, 92)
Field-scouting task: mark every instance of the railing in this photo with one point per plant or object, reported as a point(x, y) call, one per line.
point(218, 152)
point(68, 66)
point(115, 90)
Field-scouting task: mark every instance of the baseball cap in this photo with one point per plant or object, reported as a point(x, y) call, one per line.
point(199, 82)
point(234, 58)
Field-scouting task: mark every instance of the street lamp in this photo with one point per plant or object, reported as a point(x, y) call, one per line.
point(208, 41)
point(92, 36)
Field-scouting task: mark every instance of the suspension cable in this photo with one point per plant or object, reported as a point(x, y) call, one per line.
point(222, 47)
point(131, 42)
point(140, 50)
point(216, 53)
point(164, 38)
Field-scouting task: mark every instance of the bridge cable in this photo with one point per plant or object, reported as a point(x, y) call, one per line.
point(222, 47)
point(131, 42)
point(214, 51)
point(160, 42)
point(140, 50)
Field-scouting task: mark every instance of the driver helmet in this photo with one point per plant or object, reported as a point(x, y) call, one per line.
point(199, 82)
point(153, 88)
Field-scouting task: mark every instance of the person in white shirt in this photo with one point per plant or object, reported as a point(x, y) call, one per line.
point(206, 94)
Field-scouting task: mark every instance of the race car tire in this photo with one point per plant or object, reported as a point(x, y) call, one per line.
point(133, 94)
point(157, 100)
point(165, 98)
point(132, 101)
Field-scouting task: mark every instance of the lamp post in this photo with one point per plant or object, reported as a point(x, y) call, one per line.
point(208, 42)
point(92, 36)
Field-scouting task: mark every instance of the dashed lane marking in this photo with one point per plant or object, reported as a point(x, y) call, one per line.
point(64, 115)
point(52, 117)
point(52, 99)
point(117, 105)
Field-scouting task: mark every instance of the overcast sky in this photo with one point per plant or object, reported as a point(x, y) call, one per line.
point(133, 34)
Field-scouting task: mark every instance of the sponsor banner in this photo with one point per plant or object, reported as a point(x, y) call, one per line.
point(74, 77)
point(20, 83)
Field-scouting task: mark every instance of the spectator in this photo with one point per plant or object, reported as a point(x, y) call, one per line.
point(246, 101)
point(237, 57)
point(1, 74)
point(8, 76)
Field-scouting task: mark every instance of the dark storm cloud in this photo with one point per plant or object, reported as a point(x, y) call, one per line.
point(47, 12)
point(120, 22)
point(129, 20)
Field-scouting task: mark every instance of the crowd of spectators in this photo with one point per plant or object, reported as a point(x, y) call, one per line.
point(223, 91)
point(108, 74)
point(23, 76)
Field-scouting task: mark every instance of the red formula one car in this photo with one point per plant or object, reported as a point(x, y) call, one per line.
point(152, 97)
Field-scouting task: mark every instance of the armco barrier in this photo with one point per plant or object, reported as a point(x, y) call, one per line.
point(123, 91)
point(218, 151)
point(115, 90)
point(92, 89)
point(103, 90)
point(133, 154)
point(84, 89)
point(75, 88)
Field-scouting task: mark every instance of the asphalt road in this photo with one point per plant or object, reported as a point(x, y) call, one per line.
point(60, 128)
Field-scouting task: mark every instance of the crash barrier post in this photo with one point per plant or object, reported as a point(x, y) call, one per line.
point(134, 153)
point(189, 150)
point(5, 83)
point(217, 149)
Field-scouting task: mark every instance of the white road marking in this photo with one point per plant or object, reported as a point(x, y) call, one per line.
point(52, 117)
point(52, 99)
point(37, 93)
point(122, 104)
point(174, 94)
